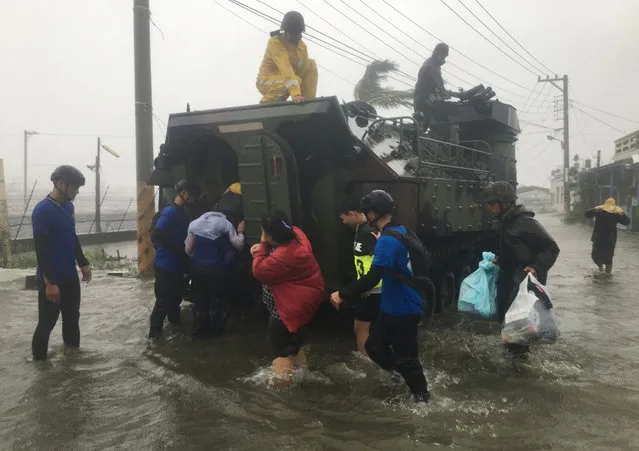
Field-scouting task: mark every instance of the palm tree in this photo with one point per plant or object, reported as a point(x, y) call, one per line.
point(369, 89)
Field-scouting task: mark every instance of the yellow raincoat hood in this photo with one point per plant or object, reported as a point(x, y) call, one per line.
point(236, 188)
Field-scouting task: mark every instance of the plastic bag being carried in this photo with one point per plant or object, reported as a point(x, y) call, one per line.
point(529, 318)
point(478, 292)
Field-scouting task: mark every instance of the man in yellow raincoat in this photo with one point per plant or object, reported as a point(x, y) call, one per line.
point(286, 69)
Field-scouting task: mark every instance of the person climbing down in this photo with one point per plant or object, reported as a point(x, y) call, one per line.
point(171, 262)
point(523, 247)
point(230, 204)
point(604, 234)
point(284, 263)
point(212, 243)
point(393, 341)
point(286, 69)
point(366, 308)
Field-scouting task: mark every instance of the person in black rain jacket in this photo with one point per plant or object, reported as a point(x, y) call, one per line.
point(604, 234)
point(524, 247)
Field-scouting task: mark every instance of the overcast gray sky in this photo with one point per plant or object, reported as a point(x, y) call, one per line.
point(67, 69)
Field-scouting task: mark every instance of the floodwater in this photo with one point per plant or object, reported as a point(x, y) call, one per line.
point(121, 392)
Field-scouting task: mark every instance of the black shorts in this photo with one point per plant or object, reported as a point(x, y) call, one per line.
point(367, 308)
point(283, 343)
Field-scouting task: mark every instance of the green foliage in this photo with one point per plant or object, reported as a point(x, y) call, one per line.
point(369, 88)
point(580, 182)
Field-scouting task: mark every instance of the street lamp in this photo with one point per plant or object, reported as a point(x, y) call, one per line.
point(97, 168)
point(27, 135)
point(566, 190)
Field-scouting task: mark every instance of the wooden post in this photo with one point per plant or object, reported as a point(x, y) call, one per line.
point(5, 233)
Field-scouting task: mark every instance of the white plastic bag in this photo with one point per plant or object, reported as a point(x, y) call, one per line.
point(529, 319)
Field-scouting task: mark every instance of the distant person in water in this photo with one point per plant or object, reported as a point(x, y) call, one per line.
point(604, 235)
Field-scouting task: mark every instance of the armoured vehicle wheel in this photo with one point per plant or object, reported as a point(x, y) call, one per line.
point(464, 272)
point(446, 292)
point(430, 299)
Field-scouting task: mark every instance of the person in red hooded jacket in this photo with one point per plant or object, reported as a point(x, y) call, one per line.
point(284, 263)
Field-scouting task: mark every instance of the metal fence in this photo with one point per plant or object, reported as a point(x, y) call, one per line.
point(118, 213)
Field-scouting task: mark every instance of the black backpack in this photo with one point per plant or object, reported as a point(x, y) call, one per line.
point(154, 221)
point(420, 260)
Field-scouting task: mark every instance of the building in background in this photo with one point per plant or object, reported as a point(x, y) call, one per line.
point(535, 198)
point(626, 147)
point(557, 191)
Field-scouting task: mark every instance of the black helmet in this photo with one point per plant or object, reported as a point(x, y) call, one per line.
point(379, 202)
point(502, 192)
point(294, 22)
point(190, 187)
point(68, 174)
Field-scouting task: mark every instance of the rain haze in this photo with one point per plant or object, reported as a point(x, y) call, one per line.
point(68, 70)
point(67, 79)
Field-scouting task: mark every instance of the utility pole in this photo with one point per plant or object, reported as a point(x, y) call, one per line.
point(27, 135)
point(566, 128)
point(598, 158)
point(97, 168)
point(143, 133)
point(98, 226)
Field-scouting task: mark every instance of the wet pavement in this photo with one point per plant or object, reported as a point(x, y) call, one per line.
point(120, 392)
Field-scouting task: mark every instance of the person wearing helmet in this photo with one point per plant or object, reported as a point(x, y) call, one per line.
point(286, 69)
point(393, 341)
point(168, 232)
point(430, 84)
point(524, 246)
point(57, 251)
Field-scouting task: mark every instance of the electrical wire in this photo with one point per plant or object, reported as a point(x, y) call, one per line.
point(500, 75)
point(486, 39)
point(266, 33)
point(605, 112)
point(513, 38)
point(600, 121)
point(499, 37)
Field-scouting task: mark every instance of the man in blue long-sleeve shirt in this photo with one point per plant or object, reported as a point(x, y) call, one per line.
point(171, 262)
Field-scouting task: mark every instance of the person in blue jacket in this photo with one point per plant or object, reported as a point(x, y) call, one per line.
point(171, 262)
point(58, 250)
point(393, 340)
point(213, 244)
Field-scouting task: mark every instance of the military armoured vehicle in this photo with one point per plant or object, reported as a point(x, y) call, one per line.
point(305, 159)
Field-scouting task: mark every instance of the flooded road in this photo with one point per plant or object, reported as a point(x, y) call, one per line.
point(120, 392)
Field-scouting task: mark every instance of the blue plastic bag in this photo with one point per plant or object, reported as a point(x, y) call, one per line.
point(478, 292)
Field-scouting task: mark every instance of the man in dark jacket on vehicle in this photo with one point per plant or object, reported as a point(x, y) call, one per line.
point(430, 84)
point(171, 261)
point(524, 247)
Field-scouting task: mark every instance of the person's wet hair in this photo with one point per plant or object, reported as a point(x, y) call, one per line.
point(279, 227)
point(349, 204)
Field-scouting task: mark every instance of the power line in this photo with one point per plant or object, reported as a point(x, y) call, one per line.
point(499, 37)
point(600, 121)
point(485, 38)
point(430, 50)
point(266, 32)
point(605, 112)
point(512, 37)
point(455, 49)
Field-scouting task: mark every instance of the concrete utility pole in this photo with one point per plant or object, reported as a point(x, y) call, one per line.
point(27, 135)
point(143, 133)
point(98, 226)
point(566, 141)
